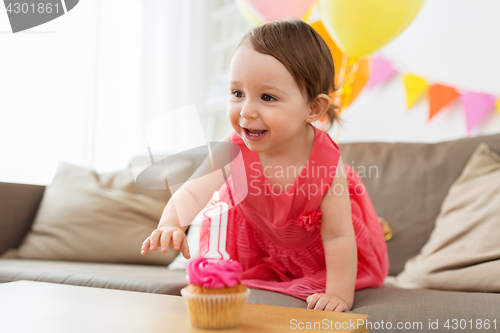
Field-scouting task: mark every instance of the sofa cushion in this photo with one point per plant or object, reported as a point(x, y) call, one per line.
point(463, 252)
point(407, 184)
point(142, 278)
point(18, 206)
point(413, 306)
point(86, 216)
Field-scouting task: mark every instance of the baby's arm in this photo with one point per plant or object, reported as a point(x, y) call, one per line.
point(169, 231)
point(339, 242)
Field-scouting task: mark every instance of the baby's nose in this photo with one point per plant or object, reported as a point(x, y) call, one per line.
point(248, 111)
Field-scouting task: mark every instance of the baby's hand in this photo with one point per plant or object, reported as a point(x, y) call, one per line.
point(326, 302)
point(166, 236)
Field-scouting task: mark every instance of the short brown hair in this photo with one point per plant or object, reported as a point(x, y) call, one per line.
point(303, 52)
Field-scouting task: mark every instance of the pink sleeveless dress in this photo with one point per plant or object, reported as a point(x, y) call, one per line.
point(277, 238)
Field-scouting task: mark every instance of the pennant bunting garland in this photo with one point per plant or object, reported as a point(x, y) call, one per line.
point(382, 71)
point(476, 107)
point(439, 97)
point(416, 87)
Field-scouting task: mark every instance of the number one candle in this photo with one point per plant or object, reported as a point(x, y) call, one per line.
point(218, 229)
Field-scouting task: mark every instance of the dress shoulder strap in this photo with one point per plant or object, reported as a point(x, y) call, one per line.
point(328, 152)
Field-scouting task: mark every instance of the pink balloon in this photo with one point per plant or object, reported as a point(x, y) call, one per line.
point(278, 9)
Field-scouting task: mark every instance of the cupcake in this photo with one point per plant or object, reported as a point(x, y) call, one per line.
point(215, 296)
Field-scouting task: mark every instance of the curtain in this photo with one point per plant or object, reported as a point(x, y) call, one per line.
point(75, 88)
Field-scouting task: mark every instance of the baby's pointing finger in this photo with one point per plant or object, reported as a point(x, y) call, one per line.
point(145, 247)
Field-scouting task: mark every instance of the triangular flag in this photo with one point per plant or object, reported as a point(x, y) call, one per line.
point(415, 87)
point(439, 97)
point(381, 72)
point(476, 107)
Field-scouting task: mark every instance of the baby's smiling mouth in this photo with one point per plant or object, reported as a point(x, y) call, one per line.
point(253, 132)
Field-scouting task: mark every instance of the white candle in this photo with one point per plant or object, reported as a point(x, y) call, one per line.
point(218, 230)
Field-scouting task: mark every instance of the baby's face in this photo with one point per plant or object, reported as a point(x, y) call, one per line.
point(266, 107)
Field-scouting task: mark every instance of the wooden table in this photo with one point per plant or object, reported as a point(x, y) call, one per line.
point(39, 307)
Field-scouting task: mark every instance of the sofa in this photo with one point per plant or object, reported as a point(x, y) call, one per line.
point(408, 185)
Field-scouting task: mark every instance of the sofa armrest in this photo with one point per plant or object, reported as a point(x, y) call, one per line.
point(18, 206)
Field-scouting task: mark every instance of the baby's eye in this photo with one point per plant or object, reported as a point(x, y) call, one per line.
point(268, 98)
point(236, 92)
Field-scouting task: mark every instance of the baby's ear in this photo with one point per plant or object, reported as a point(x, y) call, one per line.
point(318, 107)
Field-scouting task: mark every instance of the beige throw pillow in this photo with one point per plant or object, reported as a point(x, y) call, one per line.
point(84, 216)
point(463, 251)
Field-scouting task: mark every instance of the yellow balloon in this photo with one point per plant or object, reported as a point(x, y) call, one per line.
point(360, 27)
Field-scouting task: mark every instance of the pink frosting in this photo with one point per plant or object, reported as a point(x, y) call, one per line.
point(213, 274)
